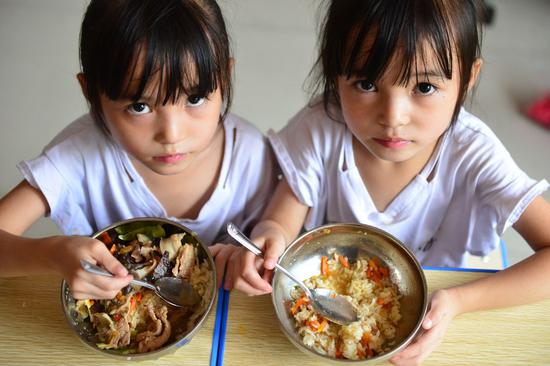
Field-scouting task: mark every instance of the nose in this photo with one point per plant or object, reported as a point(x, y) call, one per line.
point(170, 127)
point(394, 111)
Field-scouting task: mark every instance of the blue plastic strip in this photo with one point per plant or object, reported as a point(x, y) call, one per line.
point(504, 254)
point(214, 353)
point(459, 269)
point(223, 327)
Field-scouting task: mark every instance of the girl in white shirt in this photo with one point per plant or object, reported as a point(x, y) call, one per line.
point(390, 145)
point(158, 141)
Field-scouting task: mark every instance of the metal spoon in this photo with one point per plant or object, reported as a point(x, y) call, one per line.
point(326, 302)
point(174, 290)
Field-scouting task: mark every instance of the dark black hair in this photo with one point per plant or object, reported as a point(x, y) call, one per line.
point(448, 27)
point(183, 44)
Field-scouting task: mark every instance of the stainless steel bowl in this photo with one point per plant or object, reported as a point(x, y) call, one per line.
point(303, 256)
point(84, 329)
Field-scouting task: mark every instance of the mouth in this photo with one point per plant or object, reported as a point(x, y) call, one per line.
point(393, 142)
point(170, 158)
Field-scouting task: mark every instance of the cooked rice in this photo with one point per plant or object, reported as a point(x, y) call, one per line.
point(367, 285)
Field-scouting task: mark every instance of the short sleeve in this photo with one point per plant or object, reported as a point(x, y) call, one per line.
point(300, 148)
point(503, 189)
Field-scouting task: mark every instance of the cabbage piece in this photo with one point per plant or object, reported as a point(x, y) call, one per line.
point(171, 245)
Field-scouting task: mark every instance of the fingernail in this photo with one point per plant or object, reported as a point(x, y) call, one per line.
point(428, 323)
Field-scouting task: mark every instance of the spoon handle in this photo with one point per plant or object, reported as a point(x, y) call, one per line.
point(92, 268)
point(245, 242)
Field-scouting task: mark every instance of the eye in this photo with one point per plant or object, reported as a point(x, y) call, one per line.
point(139, 108)
point(195, 100)
point(425, 88)
point(365, 85)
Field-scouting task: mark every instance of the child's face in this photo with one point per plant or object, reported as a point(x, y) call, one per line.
point(164, 138)
point(397, 123)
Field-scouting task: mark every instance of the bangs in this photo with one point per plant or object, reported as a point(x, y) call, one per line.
point(167, 48)
point(410, 32)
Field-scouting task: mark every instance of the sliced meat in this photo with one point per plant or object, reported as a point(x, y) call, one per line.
point(187, 257)
point(159, 330)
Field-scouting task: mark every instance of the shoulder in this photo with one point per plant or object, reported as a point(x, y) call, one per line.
point(314, 118)
point(80, 134)
point(472, 142)
point(312, 128)
point(244, 130)
point(470, 130)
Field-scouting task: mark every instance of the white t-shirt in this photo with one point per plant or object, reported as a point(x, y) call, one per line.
point(90, 182)
point(476, 190)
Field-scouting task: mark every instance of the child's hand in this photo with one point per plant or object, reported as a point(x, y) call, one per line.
point(86, 285)
point(250, 274)
point(223, 254)
point(442, 310)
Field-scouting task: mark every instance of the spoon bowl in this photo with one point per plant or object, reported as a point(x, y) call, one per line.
point(174, 290)
point(326, 302)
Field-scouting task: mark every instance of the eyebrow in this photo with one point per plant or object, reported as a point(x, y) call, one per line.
point(414, 76)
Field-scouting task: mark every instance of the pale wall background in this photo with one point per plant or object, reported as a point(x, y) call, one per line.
point(273, 43)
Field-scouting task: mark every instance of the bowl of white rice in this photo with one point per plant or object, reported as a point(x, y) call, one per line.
point(378, 275)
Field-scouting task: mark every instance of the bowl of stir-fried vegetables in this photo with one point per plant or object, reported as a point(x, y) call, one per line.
point(377, 274)
point(136, 323)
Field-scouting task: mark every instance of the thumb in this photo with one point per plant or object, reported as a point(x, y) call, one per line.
point(433, 317)
point(273, 249)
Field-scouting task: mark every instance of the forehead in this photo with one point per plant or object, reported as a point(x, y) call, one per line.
point(374, 58)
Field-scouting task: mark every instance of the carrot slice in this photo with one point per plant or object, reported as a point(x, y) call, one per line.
point(324, 266)
point(343, 261)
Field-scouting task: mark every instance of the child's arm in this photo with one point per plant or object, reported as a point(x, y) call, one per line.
point(280, 224)
point(522, 283)
point(19, 209)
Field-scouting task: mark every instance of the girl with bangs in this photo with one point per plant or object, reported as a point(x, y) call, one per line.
point(389, 144)
point(159, 141)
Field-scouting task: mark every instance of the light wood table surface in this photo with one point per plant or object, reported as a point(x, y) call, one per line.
point(33, 330)
point(512, 336)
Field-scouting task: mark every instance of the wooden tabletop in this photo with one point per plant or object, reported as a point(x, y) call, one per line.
point(512, 336)
point(33, 330)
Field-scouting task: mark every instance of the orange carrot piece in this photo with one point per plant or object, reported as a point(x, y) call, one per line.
point(299, 302)
point(105, 238)
point(365, 339)
point(324, 266)
point(343, 261)
point(113, 249)
point(313, 324)
point(323, 325)
point(380, 301)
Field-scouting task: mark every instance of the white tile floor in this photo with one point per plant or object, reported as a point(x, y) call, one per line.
point(273, 43)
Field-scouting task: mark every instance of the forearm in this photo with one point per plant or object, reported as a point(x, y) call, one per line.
point(523, 283)
point(20, 256)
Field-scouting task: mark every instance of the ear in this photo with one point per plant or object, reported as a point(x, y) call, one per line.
point(83, 84)
point(476, 68)
point(231, 65)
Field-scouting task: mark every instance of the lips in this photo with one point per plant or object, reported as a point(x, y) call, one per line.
point(170, 159)
point(393, 143)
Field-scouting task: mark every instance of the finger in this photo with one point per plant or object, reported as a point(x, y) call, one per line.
point(267, 276)
point(232, 267)
point(221, 261)
point(245, 287)
point(102, 256)
point(215, 249)
point(250, 274)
